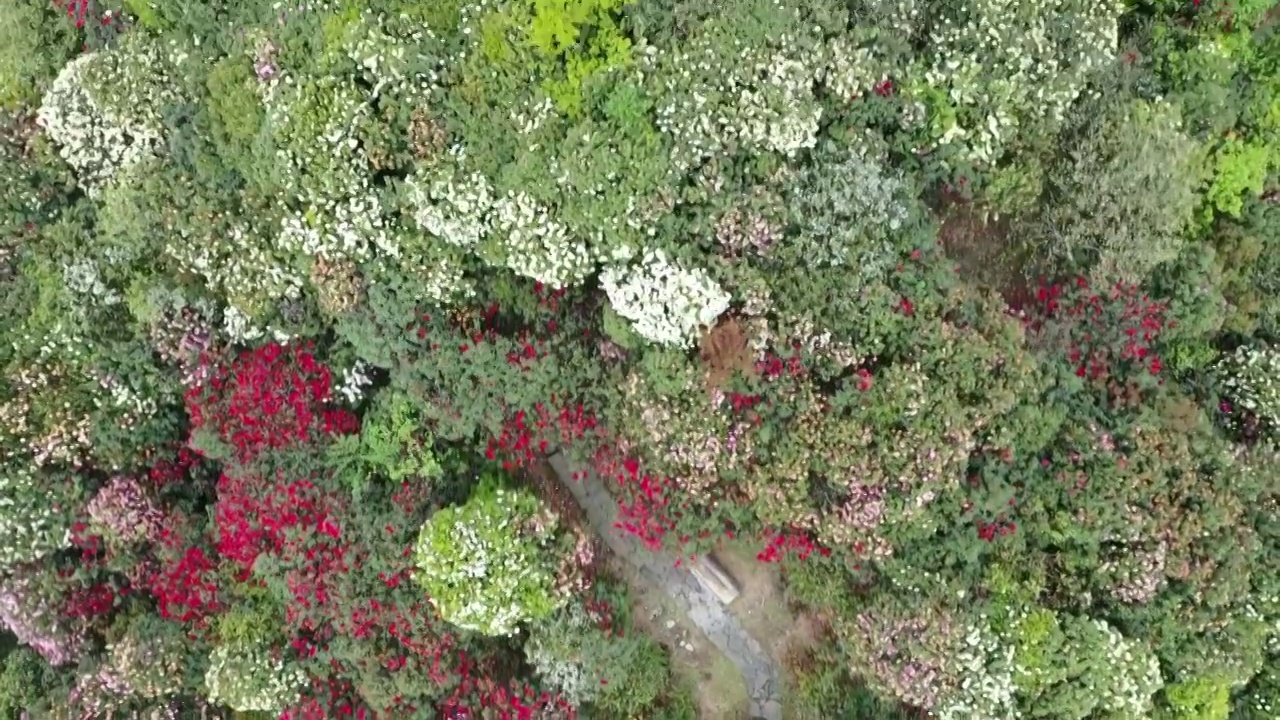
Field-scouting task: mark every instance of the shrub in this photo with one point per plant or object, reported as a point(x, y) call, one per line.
point(247, 679)
point(1010, 69)
point(1121, 195)
point(1076, 667)
point(488, 565)
point(666, 303)
point(1250, 380)
point(149, 662)
point(31, 608)
point(588, 663)
point(105, 109)
point(35, 515)
point(1261, 697)
point(34, 42)
point(273, 397)
point(1202, 698)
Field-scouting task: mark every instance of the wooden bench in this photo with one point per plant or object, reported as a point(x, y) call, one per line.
point(714, 578)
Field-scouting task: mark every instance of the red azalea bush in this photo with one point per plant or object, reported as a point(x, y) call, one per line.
point(273, 397)
point(1106, 333)
point(185, 586)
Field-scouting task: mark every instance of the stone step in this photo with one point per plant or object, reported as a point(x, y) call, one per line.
point(714, 578)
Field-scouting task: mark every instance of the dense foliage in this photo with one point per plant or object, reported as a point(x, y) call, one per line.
point(968, 311)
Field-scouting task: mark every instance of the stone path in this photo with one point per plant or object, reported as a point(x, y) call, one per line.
point(701, 605)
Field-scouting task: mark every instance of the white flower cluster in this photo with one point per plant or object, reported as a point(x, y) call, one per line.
point(84, 279)
point(1006, 62)
point(454, 210)
point(38, 418)
point(986, 690)
point(133, 403)
point(717, 96)
point(549, 650)
point(246, 679)
point(1132, 673)
point(1251, 379)
point(147, 664)
point(535, 113)
point(384, 60)
point(536, 246)
point(349, 231)
point(243, 266)
point(439, 269)
point(354, 381)
point(666, 303)
point(850, 71)
point(483, 567)
point(315, 123)
point(32, 523)
point(105, 109)
point(93, 141)
point(1135, 573)
point(240, 328)
point(512, 231)
point(780, 113)
point(496, 611)
point(322, 127)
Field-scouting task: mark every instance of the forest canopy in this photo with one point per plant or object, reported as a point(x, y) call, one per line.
point(964, 315)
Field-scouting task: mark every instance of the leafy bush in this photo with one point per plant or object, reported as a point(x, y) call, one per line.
point(1122, 194)
point(587, 663)
point(1207, 698)
point(489, 565)
point(34, 42)
point(26, 681)
point(247, 679)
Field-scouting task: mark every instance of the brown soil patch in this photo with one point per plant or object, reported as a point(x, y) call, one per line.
point(725, 350)
point(714, 680)
point(984, 251)
point(716, 683)
point(761, 606)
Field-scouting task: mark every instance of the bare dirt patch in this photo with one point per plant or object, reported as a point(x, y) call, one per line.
point(761, 607)
point(716, 682)
point(724, 350)
point(985, 251)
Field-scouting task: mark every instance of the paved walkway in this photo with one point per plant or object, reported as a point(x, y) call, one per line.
point(700, 604)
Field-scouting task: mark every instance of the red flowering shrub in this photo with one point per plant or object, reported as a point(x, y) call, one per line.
point(76, 10)
point(253, 517)
point(270, 398)
point(482, 698)
point(1107, 334)
point(520, 445)
point(184, 587)
point(781, 545)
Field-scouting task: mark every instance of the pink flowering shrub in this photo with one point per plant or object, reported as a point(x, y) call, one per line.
point(124, 512)
point(29, 608)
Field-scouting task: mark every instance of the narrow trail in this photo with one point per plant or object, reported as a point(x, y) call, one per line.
point(723, 630)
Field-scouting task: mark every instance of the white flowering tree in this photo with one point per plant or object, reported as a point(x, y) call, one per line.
point(1250, 378)
point(666, 303)
point(105, 110)
point(34, 515)
point(247, 679)
point(999, 67)
point(463, 211)
point(489, 564)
